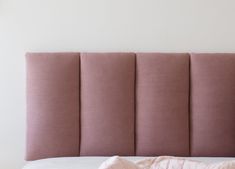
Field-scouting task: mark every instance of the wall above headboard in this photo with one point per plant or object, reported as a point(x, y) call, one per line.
point(147, 104)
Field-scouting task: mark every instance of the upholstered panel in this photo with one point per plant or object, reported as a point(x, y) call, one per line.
point(52, 105)
point(107, 103)
point(162, 92)
point(130, 104)
point(213, 104)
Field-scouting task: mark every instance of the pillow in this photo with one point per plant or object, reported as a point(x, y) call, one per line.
point(163, 162)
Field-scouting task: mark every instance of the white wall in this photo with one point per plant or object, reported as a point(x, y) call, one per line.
point(97, 25)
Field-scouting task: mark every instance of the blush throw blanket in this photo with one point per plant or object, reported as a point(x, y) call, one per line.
point(163, 162)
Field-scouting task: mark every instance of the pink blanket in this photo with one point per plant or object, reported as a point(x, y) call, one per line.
point(163, 162)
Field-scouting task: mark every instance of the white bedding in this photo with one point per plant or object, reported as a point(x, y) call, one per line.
point(93, 162)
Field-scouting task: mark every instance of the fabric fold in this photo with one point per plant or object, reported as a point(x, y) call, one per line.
point(163, 162)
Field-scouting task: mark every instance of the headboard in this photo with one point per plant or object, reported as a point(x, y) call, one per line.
point(145, 104)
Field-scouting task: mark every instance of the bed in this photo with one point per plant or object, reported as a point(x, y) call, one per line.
point(94, 162)
point(85, 107)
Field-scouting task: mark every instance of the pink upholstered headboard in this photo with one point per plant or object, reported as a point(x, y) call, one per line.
point(83, 104)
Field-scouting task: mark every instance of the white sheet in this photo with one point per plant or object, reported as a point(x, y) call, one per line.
point(92, 162)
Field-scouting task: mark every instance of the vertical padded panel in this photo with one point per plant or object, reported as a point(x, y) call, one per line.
point(107, 103)
point(52, 105)
point(162, 104)
point(213, 104)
